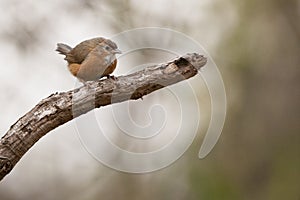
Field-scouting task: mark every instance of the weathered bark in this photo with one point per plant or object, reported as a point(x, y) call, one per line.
point(60, 108)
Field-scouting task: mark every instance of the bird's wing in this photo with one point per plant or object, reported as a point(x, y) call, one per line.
point(82, 50)
point(94, 65)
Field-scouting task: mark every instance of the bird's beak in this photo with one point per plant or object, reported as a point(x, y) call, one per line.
point(117, 51)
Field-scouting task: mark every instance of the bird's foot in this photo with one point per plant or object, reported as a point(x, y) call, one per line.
point(111, 77)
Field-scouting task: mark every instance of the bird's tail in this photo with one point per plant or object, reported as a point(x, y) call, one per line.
point(63, 48)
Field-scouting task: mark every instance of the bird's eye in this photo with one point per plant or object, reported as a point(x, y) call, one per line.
point(107, 47)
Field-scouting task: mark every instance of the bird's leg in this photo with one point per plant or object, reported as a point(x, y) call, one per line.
point(111, 77)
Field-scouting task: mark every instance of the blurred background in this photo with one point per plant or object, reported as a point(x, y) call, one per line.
point(255, 44)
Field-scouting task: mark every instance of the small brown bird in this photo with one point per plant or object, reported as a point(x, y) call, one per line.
point(91, 59)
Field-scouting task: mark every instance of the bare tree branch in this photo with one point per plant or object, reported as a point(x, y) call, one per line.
point(60, 108)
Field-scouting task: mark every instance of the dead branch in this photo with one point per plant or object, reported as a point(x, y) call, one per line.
point(60, 108)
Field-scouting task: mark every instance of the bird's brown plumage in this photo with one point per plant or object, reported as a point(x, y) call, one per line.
point(90, 59)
